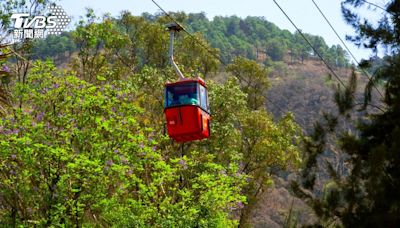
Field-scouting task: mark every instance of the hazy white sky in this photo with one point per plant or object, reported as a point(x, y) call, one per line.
point(303, 12)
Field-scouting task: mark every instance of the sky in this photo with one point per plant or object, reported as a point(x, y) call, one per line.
point(302, 12)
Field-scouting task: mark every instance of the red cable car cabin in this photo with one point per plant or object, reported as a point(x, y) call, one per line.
point(187, 110)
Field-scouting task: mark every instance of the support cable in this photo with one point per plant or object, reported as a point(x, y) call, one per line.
point(347, 48)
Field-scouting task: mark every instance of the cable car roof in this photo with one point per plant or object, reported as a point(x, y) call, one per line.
point(183, 81)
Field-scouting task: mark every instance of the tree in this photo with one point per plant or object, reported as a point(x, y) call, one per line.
point(90, 38)
point(300, 48)
point(4, 79)
point(319, 44)
point(265, 146)
point(276, 49)
point(368, 196)
point(200, 57)
point(59, 47)
point(253, 80)
point(341, 56)
point(259, 144)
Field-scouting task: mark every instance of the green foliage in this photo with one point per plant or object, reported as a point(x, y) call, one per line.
point(92, 40)
point(253, 80)
point(251, 140)
point(76, 155)
point(197, 56)
point(131, 43)
point(5, 74)
point(276, 49)
point(237, 37)
point(60, 47)
point(344, 97)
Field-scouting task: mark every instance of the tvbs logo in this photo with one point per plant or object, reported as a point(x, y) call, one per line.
point(28, 27)
point(38, 22)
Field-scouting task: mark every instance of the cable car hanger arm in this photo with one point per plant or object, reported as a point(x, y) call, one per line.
point(173, 27)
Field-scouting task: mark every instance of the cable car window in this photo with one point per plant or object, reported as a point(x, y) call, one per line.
point(182, 94)
point(203, 98)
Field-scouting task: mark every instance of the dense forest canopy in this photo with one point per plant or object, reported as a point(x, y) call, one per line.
point(251, 37)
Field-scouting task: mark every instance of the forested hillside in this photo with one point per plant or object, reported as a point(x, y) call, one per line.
point(251, 37)
point(83, 138)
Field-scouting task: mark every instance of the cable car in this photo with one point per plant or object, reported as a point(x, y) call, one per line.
point(186, 110)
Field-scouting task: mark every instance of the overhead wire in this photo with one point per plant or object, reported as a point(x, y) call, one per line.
point(345, 45)
point(314, 49)
point(213, 54)
point(223, 63)
point(377, 6)
point(291, 21)
point(190, 34)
